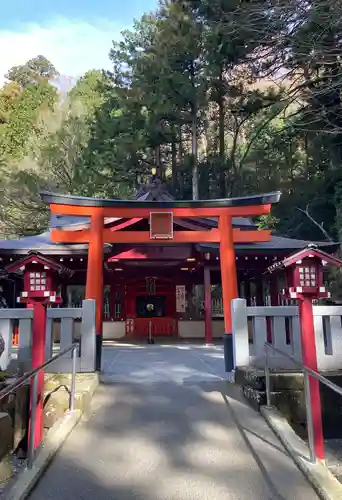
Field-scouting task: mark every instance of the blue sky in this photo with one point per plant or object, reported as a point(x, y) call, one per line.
point(75, 35)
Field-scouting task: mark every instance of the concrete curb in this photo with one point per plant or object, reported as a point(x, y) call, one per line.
point(27, 479)
point(325, 484)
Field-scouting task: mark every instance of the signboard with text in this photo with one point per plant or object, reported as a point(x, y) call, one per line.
point(180, 298)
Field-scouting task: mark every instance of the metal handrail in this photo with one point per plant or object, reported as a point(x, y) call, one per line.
point(34, 374)
point(21, 380)
point(313, 373)
point(307, 372)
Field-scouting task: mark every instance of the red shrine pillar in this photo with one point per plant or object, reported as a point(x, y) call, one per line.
point(94, 287)
point(208, 307)
point(229, 284)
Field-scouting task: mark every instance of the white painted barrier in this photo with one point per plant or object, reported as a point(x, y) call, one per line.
point(68, 327)
point(251, 326)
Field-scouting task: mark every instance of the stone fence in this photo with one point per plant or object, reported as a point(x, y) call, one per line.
point(64, 325)
point(253, 326)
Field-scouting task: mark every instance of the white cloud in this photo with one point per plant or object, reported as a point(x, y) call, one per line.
point(72, 46)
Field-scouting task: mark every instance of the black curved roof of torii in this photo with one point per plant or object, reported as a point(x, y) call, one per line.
point(83, 201)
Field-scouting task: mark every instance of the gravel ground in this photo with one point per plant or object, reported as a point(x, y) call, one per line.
point(18, 465)
point(333, 451)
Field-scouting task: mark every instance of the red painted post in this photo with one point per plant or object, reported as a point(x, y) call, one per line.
point(208, 307)
point(94, 285)
point(229, 284)
point(38, 358)
point(309, 356)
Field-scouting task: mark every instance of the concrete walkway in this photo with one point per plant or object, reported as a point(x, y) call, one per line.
point(166, 426)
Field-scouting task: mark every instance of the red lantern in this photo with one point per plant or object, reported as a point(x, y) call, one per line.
point(304, 273)
point(40, 284)
point(304, 281)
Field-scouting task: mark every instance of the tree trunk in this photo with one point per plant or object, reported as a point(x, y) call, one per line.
point(195, 176)
point(180, 176)
point(195, 179)
point(158, 162)
point(174, 160)
point(222, 152)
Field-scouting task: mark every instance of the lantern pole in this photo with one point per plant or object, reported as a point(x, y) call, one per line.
point(38, 358)
point(309, 359)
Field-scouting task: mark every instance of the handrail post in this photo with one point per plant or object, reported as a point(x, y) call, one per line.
point(309, 421)
point(35, 394)
point(267, 378)
point(314, 426)
point(32, 422)
point(73, 381)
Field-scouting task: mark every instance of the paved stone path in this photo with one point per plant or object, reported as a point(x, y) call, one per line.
point(166, 426)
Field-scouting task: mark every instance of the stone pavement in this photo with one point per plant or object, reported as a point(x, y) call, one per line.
point(167, 426)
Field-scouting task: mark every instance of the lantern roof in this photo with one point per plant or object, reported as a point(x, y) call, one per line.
point(311, 251)
point(18, 267)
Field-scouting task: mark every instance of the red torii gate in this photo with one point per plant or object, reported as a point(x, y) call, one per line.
point(161, 214)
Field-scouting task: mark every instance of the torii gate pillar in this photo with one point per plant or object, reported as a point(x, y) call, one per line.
point(94, 286)
point(229, 284)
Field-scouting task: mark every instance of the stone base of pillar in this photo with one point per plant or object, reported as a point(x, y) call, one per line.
point(228, 352)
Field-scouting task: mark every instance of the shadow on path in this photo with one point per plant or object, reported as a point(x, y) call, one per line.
point(191, 438)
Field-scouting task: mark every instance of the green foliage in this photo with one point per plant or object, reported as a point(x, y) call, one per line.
point(225, 98)
point(35, 71)
point(267, 222)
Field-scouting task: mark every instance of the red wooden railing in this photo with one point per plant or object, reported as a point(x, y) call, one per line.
point(162, 327)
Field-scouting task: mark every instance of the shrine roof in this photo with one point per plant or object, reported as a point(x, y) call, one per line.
point(43, 243)
point(276, 243)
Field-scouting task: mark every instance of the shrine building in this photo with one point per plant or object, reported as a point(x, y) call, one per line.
point(154, 264)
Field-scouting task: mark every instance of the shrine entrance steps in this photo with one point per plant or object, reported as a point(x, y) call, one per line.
point(167, 426)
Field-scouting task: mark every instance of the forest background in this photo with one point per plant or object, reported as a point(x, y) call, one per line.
point(222, 97)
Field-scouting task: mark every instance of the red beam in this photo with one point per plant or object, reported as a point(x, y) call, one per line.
point(127, 223)
point(126, 213)
point(133, 237)
point(252, 236)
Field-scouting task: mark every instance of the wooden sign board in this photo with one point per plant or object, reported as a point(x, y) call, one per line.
point(161, 225)
point(180, 298)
